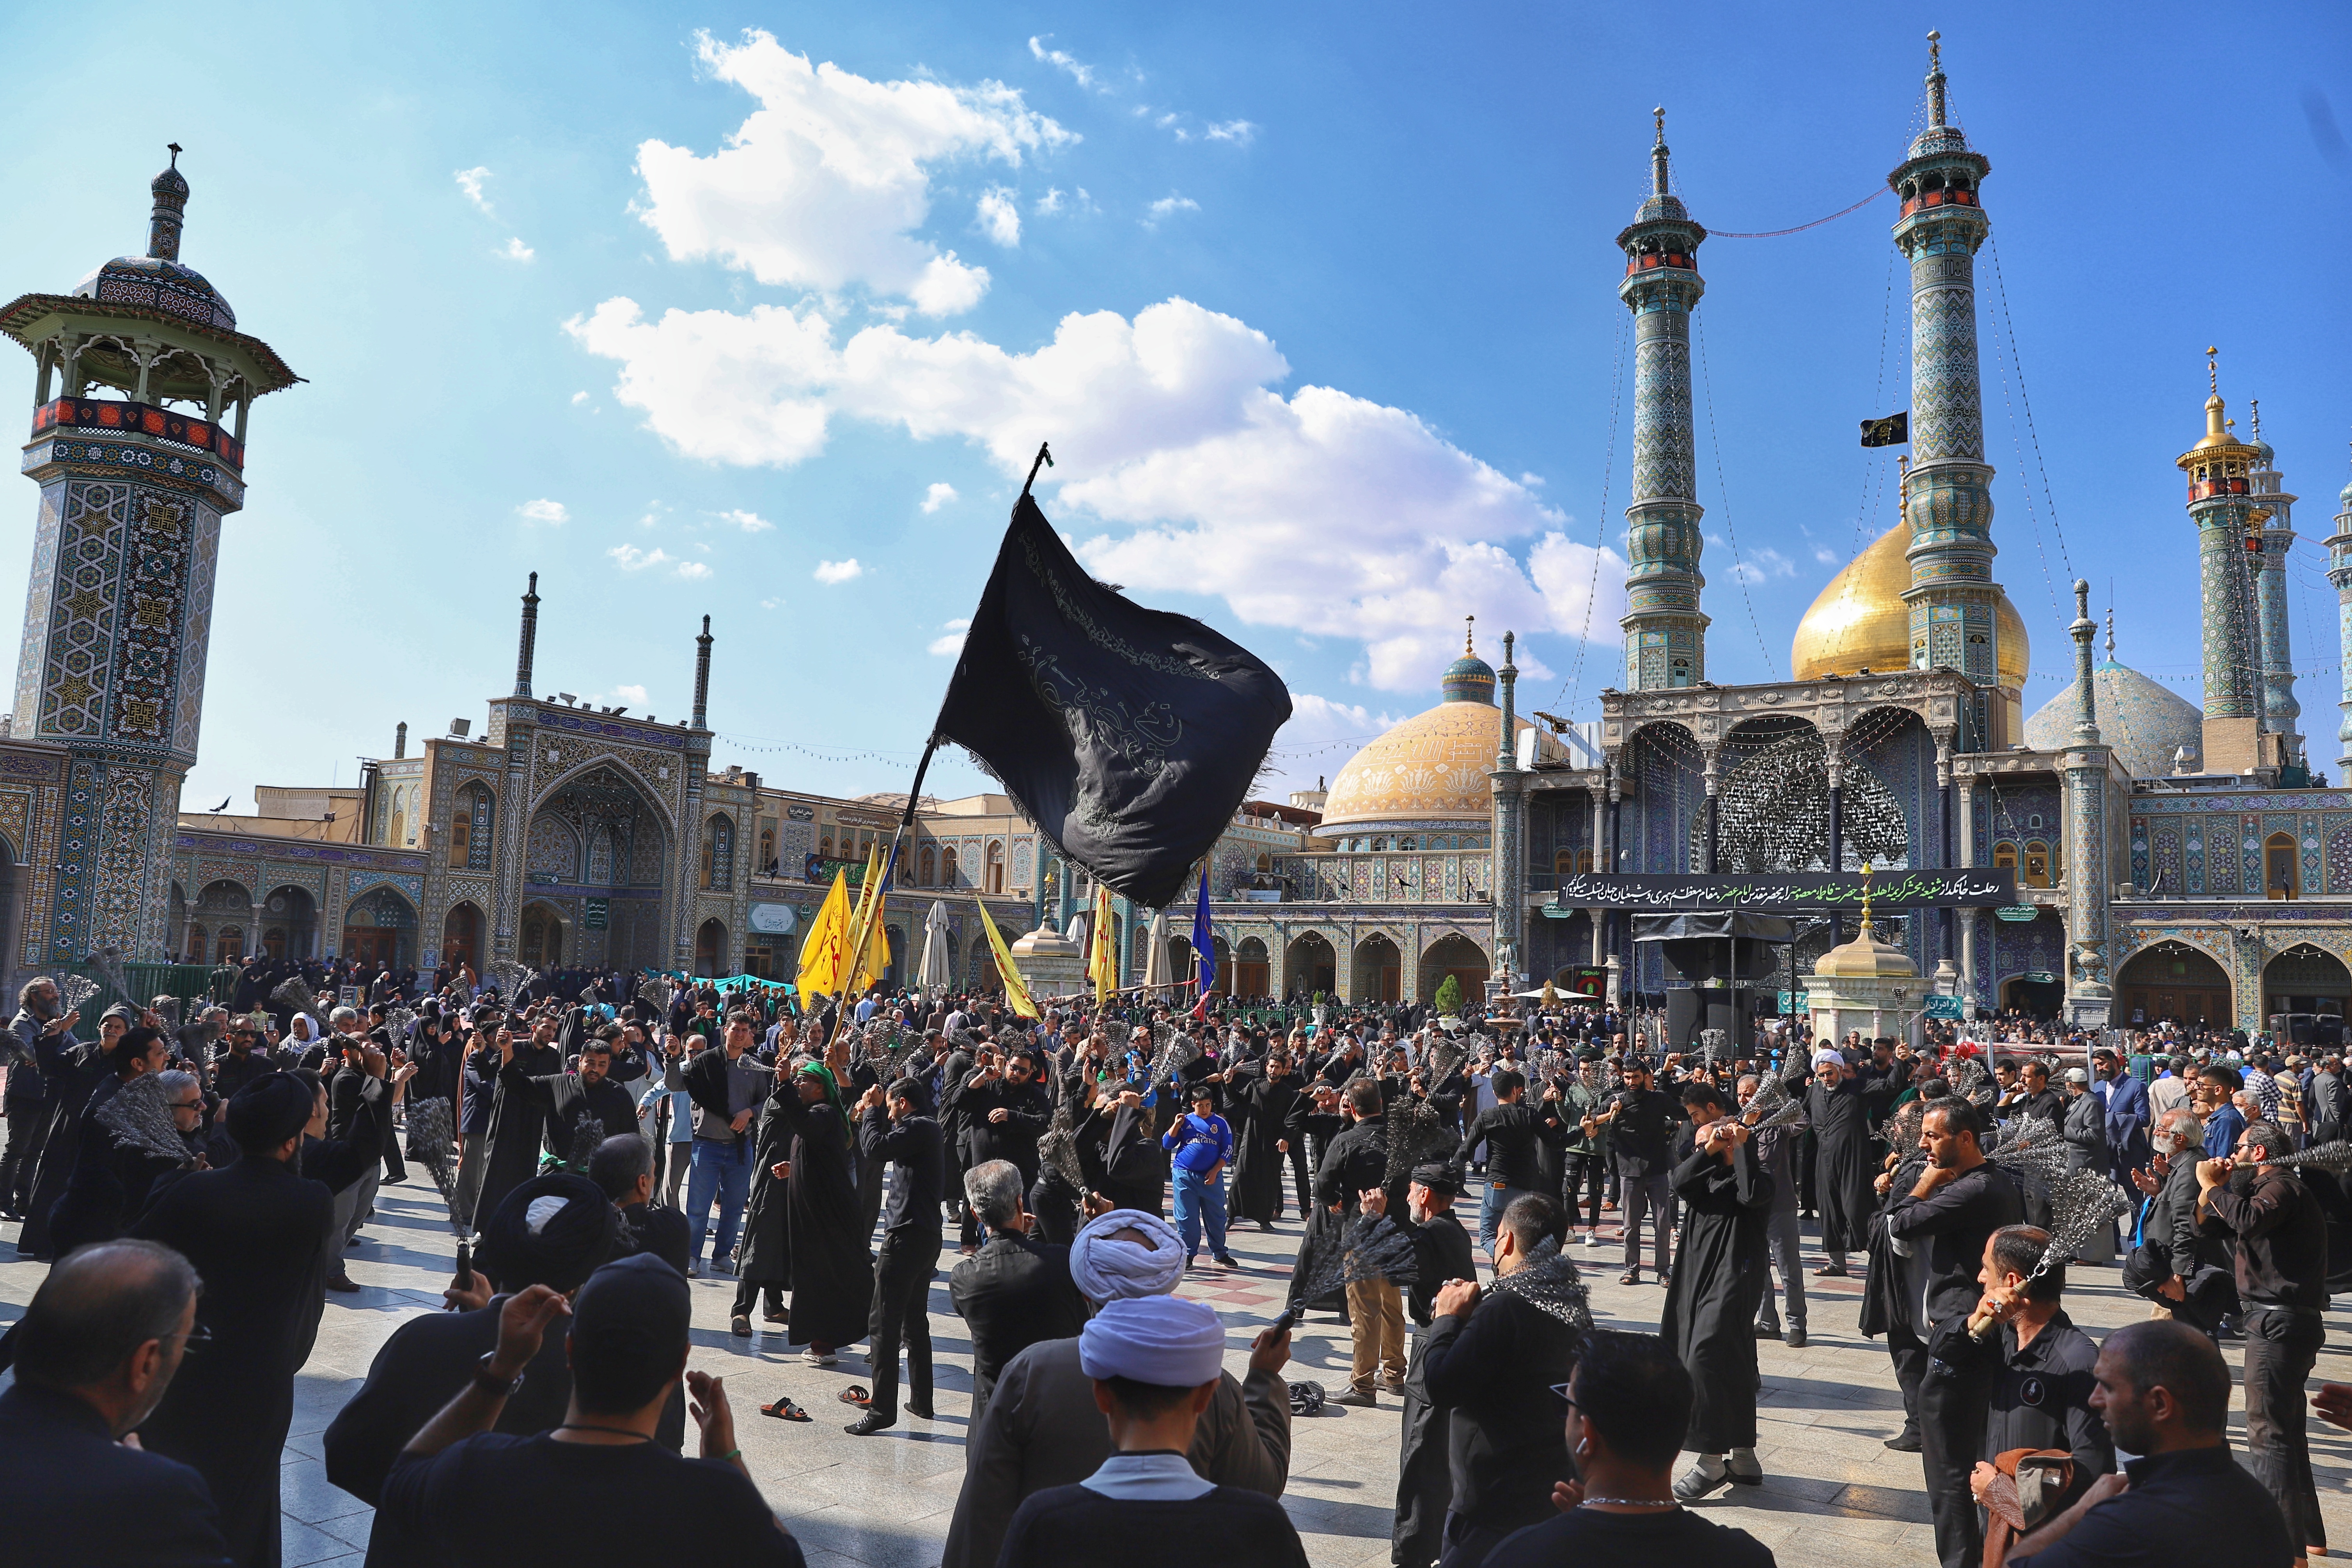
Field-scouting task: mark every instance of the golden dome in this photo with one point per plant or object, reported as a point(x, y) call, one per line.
point(1865, 958)
point(1860, 621)
point(1432, 769)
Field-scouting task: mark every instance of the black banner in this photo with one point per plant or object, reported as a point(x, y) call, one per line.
point(1892, 431)
point(1787, 892)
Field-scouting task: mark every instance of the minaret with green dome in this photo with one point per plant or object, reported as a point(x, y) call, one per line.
point(1468, 679)
point(1665, 633)
point(143, 384)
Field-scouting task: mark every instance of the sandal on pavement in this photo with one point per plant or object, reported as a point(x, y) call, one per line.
point(784, 1410)
point(1631, 1277)
point(855, 1393)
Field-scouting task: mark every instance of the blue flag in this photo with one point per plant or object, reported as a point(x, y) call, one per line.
point(1204, 945)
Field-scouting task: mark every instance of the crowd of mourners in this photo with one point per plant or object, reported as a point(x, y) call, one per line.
point(600, 1140)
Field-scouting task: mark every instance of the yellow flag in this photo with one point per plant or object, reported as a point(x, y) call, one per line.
point(1102, 950)
point(827, 942)
point(859, 941)
point(1017, 990)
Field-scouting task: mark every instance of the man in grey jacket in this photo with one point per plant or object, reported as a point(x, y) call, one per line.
point(1776, 1151)
point(1043, 1429)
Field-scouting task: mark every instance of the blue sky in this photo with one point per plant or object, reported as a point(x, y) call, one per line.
point(689, 309)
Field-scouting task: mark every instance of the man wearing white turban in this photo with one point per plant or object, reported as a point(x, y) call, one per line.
point(1155, 1365)
point(1044, 1428)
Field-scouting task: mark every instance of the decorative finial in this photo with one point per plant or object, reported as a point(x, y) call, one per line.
point(1866, 933)
point(1935, 77)
point(2213, 371)
point(175, 146)
point(2111, 634)
point(1660, 114)
point(1658, 179)
point(2254, 407)
point(1469, 647)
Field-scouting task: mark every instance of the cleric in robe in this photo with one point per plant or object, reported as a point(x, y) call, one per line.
point(518, 1117)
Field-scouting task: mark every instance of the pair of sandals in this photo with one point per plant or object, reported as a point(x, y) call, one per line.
point(783, 1409)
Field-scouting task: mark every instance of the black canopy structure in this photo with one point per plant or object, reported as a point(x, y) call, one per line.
point(1711, 957)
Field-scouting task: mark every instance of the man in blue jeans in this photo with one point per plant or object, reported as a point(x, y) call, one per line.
point(726, 1088)
point(1201, 1143)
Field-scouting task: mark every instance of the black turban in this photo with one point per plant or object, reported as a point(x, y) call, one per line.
point(268, 1111)
point(551, 1230)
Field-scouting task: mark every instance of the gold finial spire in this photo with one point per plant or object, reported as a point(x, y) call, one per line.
point(1866, 934)
point(1469, 646)
point(2254, 407)
point(1658, 154)
point(1935, 77)
point(2213, 371)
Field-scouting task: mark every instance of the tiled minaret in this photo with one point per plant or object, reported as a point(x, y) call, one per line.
point(1665, 634)
point(1949, 499)
point(143, 384)
point(2339, 572)
point(2221, 503)
point(2274, 511)
point(2084, 763)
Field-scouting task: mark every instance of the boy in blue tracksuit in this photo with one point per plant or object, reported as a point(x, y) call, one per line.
point(1202, 1143)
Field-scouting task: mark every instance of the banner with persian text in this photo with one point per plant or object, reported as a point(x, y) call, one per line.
point(1787, 892)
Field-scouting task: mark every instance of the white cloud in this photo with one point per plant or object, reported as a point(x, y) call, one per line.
point(1758, 565)
point(629, 558)
point(1321, 512)
point(938, 496)
point(1082, 74)
point(1825, 555)
point(578, 398)
point(1051, 202)
point(825, 184)
point(515, 250)
point(1239, 131)
point(693, 571)
point(948, 647)
point(831, 572)
point(470, 181)
point(1000, 218)
point(633, 695)
point(548, 511)
point(748, 521)
point(1173, 202)
point(1534, 481)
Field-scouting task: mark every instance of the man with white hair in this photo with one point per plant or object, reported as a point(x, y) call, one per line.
point(1845, 1160)
point(1043, 1429)
point(1156, 1363)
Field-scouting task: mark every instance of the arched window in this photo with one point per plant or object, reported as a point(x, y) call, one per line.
point(1265, 864)
point(2279, 880)
point(2004, 856)
point(2037, 864)
point(995, 880)
point(948, 867)
point(231, 945)
point(824, 847)
point(719, 854)
point(470, 829)
point(767, 846)
point(927, 867)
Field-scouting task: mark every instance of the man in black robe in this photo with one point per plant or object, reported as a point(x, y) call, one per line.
point(1711, 1305)
point(1270, 1132)
point(1014, 1291)
point(1424, 1466)
point(623, 1169)
point(1845, 1158)
point(429, 1359)
point(1005, 1111)
point(255, 1233)
point(70, 1071)
point(831, 1273)
point(518, 1118)
point(564, 1099)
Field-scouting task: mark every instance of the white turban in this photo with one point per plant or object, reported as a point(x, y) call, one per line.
point(1828, 1060)
point(1154, 1339)
point(1108, 1267)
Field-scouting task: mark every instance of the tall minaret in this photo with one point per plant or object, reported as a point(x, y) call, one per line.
point(2221, 502)
point(2274, 510)
point(137, 371)
point(1665, 635)
point(1948, 501)
point(2339, 572)
point(2084, 763)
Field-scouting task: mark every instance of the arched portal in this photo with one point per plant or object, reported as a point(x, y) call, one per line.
point(2173, 982)
point(1224, 984)
point(541, 944)
point(1464, 960)
point(1309, 965)
point(380, 927)
point(1379, 970)
point(598, 843)
point(2304, 979)
point(710, 949)
point(461, 937)
point(289, 919)
point(1251, 969)
point(224, 909)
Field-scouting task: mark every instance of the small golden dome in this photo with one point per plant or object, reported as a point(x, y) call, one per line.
point(1866, 958)
point(1860, 621)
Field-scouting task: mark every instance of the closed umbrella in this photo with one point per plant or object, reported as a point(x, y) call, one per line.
point(1155, 954)
point(932, 974)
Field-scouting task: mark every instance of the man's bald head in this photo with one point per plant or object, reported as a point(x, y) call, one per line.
point(98, 1308)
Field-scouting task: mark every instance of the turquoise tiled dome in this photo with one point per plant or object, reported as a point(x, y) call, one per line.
point(2143, 719)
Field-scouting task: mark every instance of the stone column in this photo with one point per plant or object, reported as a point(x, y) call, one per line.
point(2089, 998)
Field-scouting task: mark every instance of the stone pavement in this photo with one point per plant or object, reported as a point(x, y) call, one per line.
point(1833, 1495)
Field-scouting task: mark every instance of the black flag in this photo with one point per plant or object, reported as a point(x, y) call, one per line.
point(1128, 736)
point(1891, 431)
